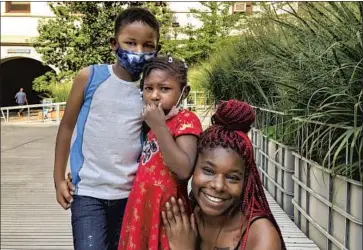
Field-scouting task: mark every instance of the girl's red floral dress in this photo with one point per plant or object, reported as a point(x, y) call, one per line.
point(153, 186)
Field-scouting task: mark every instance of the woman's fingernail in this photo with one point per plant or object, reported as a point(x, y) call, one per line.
point(173, 199)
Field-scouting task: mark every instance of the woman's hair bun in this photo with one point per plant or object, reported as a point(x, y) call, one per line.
point(234, 115)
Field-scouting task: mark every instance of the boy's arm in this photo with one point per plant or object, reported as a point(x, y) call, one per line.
point(64, 135)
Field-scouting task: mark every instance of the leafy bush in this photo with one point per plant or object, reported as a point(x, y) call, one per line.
point(60, 92)
point(55, 86)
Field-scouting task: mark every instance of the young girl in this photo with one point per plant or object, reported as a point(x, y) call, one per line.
point(168, 154)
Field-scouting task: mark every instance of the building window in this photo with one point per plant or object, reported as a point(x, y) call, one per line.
point(239, 7)
point(243, 7)
point(17, 7)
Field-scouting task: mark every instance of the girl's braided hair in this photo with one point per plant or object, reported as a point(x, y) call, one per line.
point(174, 66)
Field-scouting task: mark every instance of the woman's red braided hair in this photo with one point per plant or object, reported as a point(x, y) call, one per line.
point(231, 123)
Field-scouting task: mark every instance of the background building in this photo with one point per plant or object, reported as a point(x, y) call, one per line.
point(20, 63)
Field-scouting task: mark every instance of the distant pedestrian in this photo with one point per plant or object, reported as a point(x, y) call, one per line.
point(20, 99)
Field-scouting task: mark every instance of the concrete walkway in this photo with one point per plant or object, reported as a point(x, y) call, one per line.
point(30, 216)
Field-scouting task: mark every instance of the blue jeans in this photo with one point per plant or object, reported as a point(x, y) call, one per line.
point(21, 110)
point(96, 223)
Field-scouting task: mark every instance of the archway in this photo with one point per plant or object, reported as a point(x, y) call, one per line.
point(19, 72)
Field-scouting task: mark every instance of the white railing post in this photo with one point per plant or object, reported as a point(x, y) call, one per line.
point(185, 103)
point(7, 115)
point(57, 112)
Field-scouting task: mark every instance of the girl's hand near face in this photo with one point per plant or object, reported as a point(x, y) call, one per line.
point(153, 115)
point(181, 232)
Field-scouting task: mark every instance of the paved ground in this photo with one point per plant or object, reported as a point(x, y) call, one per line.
point(30, 215)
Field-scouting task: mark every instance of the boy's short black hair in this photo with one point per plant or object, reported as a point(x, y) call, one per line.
point(136, 14)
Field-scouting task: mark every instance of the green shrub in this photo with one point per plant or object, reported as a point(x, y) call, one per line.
point(60, 92)
point(55, 86)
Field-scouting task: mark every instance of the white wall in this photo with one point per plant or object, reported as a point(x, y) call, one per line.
point(41, 9)
point(18, 26)
point(18, 29)
point(23, 25)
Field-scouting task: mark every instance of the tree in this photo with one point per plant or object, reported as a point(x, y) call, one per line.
point(217, 24)
point(79, 34)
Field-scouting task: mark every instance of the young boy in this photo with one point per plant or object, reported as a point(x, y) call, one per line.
point(105, 108)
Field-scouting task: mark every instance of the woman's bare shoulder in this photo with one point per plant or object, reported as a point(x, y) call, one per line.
point(263, 235)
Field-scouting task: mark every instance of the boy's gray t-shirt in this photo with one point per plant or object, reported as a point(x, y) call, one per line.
point(106, 142)
point(20, 97)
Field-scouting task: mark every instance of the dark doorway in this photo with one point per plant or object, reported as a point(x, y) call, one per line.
point(16, 73)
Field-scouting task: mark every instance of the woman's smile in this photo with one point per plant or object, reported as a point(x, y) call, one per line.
point(212, 202)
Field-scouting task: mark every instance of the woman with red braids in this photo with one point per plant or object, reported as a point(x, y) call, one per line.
point(231, 209)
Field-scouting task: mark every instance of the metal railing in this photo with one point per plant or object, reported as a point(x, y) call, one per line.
point(46, 112)
point(327, 206)
point(197, 100)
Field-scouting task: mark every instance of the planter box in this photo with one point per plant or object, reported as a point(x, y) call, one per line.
point(53, 114)
point(327, 208)
point(276, 166)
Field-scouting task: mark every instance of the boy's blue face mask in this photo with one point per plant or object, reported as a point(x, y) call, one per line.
point(133, 62)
